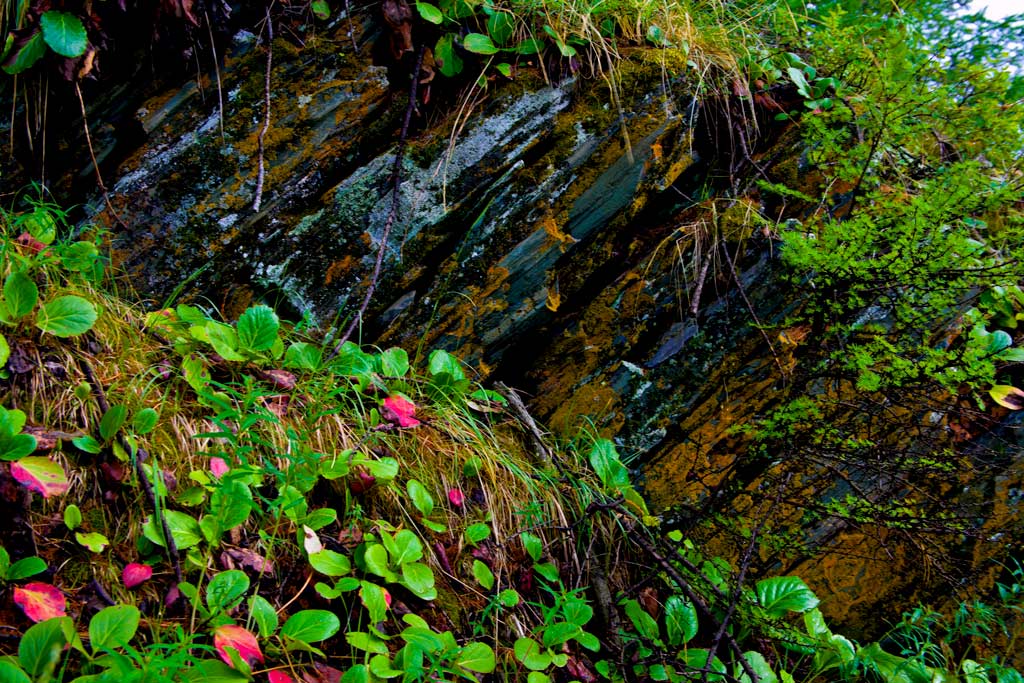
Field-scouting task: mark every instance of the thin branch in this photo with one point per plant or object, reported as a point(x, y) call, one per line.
point(519, 408)
point(266, 113)
point(140, 471)
point(95, 164)
point(750, 307)
point(216, 70)
point(396, 200)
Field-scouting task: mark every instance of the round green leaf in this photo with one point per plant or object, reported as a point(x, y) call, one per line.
point(311, 625)
point(226, 589)
point(20, 294)
point(479, 43)
point(680, 620)
point(113, 627)
point(478, 657)
point(530, 654)
point(429, 12)
point(64, 33)
point(25, 567)
point(264, 614)
point(145, 420)
point(781, 594)
point(41, 646)
point(95, 542)
point(66, 316)
point(257, 328)
point(12, 673)
point(330, 563)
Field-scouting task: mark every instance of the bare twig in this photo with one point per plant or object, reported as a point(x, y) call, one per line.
point(351, 33)
point(266, 113)
point(95, 164)
point(396, 200)
point(750, 307)
point(140, 472)
point(519, 408)
point(216, 71)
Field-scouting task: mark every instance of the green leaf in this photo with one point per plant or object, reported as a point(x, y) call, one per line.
point(782, 594)
point(66, 316)
point(406, 547)
point(24, 568)
point(504, 68)
point(30, 53)
point(112, 421)
point(145, 421)
point(420, 497)
point(500, 27)
point(645, 624)
point(40, 648)
point(447, 60)
point(226, 590)
point(321, 517)
point(508, 598)
point(419, 578)
point(530, 46)
point(532, 544)
point(330, 563)
point(93, 541)
point(429, 12)
point(483, 574)
point(12, 673)
point(605, 461)
point(560, 632)
point(88, 444)
point(20, 294)
point(531, 655)
point(5, 352)
point(213, 671)
point(64, 33)
point(547, 570)
point(394, 362)
point(680, 620)
point(17, 446)
point(184, 528)
point(41, 225)
point(479, 43)
point(577, 612)
point(478, 657)
point(696, 659)
point(303, 356)
point(257, 328)
point(264, 614)
point(224, 340)
point(443, 363)
point(231, 503)
point(384, 469)
point(477, 532)
point(367, 642)
point(759, 665)
point(372, 597)
point(321, 10)
point(311, 625)
point(113, 627)
point(375, 558)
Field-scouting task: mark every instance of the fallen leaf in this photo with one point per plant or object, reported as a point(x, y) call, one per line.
point(135, 574)
point(242, 640)
point(41, 475)
point(281, 379)
point(252, 560)
point(311, 541)
point(279, 676)
point(456, 498)
point(361, 481)
point(322, 673)
point(40, 601)
point(27, 240)
point(399, 410)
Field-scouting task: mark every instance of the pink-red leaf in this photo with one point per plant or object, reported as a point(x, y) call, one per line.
point(400, 411)
point(40, 601)
point(279, 676)
point(41, 475)
point(135, 574)
point(456, 497)
point(242, 640)
point(218, 467)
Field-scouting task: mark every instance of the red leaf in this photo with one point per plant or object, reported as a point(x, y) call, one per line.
point(40, 601)
point(135, 574)
point(400, 411)
point(218, 467)
point(456, 498)
point(279, 676)
point(237, 637)
point(27, 240)
point(41, 475)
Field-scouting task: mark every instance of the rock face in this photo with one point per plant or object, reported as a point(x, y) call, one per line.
point(603, 258)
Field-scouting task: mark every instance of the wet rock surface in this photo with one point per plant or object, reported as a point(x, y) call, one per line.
point(591, 256)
